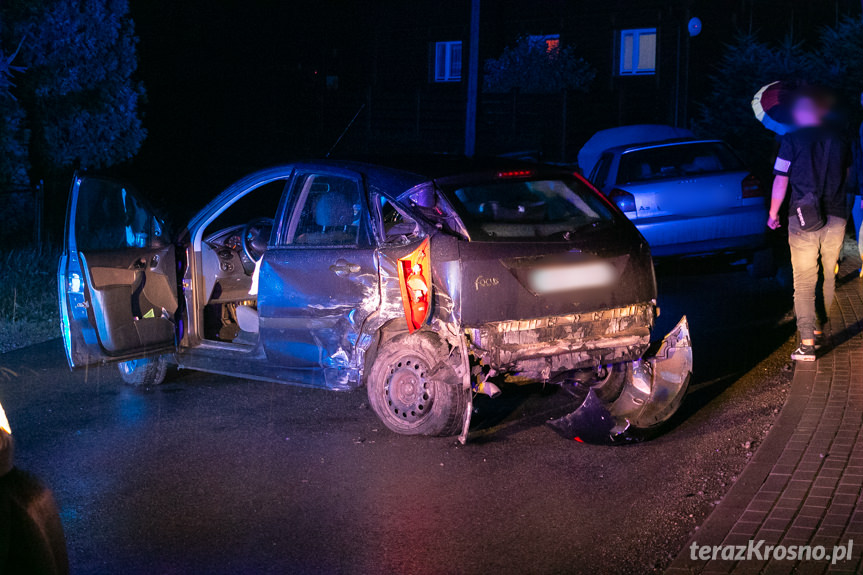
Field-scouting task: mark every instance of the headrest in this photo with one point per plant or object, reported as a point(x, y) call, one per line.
point(334, 210)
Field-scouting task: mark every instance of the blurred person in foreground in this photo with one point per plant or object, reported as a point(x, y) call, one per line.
point(814, 160)
point(31, 535)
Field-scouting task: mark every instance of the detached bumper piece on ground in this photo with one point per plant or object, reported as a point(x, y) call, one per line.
point(635, 399)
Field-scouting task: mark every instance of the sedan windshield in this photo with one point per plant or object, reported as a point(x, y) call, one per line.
point(548, 209)
point(676, 161)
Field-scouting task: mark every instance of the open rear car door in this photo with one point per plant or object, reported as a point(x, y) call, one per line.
point(117, 276)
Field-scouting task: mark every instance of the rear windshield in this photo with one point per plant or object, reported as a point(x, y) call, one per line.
point(676, 161)
point(537, 209)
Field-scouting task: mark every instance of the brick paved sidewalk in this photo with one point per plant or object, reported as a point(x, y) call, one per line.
point(804, 485)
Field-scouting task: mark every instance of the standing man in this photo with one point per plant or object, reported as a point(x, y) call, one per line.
point(814, 160)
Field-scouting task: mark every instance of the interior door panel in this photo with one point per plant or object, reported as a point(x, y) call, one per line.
point(117, 276)
point(132, 298)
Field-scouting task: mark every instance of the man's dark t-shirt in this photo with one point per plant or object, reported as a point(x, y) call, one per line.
point(815, 161)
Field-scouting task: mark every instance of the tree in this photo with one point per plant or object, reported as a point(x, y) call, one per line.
point(14, 135)
point(13, 131)
point(531, 67)
point(747, 65)
point(838, 59)
point(79, 92)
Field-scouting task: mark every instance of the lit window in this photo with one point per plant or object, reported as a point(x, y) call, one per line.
point(447, 62)
point(551, 41)
point(638, 51)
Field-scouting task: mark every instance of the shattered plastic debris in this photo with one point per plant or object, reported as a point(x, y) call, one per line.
point(651, 394)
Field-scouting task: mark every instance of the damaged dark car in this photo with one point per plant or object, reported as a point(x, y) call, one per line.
point(423, 281)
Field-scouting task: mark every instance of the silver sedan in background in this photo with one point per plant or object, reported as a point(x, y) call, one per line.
point(686, 196)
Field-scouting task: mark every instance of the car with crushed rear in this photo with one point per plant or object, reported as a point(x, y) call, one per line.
point(423, 279)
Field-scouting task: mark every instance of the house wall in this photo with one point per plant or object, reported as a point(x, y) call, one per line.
point(405, 110)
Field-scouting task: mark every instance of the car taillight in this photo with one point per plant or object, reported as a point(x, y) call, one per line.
point(624, 200)
point(415, 283)
point(515, 174)
point(751, 187)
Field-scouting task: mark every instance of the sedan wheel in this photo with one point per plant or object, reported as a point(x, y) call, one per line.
point(407, 397)
point(143, 371)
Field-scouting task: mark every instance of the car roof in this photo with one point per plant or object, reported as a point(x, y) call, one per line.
point(434, 166)
point(659, 144)
point(396, 174)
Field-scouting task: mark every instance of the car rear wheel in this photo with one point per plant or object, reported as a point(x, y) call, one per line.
point(407, 396)
point(143, 371)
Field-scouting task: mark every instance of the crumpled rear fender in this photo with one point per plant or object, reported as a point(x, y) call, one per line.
point(651, 394)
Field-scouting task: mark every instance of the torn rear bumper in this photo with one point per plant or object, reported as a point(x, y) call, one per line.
point(541, 348)
point(652, 392)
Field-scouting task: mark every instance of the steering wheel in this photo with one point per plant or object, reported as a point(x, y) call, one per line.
point(255, 236)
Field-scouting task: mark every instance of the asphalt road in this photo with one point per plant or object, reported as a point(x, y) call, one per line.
point(210, 474)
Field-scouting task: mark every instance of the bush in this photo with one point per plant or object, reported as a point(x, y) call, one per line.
point(531, 67)
point(17, 219)
point(75, 85)
point(836, 62)
point(28, 297)
point(747, 65)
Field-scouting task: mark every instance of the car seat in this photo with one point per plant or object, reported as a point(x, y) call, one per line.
point(334, 218)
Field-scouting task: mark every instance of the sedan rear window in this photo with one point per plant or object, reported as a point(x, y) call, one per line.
point(677, 161)
point(535, 209)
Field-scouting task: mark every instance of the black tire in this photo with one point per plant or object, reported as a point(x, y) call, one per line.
point(401, 396)
point(144, 371)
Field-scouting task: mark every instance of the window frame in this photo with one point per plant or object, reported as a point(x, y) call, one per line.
point(154, 220)
point(377, 215)
point(297, 198)
point(545, 39)
point(636, 34)
point(447, 77)
point(602, 169)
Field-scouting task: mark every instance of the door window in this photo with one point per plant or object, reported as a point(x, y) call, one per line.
point(110, 217)
point(261, 201)
point(398, 227)
point(676, 161)
point(600, 172)
point(327, 211)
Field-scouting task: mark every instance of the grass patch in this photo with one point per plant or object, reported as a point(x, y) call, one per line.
point(28, 297)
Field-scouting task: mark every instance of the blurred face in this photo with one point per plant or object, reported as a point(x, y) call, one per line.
point(807, 112)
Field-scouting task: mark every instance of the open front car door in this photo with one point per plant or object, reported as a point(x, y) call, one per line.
point(117, 276)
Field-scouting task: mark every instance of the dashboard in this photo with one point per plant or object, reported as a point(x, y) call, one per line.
point(226, 268)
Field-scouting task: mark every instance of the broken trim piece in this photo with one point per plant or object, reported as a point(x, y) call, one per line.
point(651, 394)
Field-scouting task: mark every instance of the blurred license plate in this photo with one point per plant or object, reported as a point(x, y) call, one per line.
point(573, 277)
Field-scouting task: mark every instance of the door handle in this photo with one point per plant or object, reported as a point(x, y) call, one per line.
point(342, 268)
